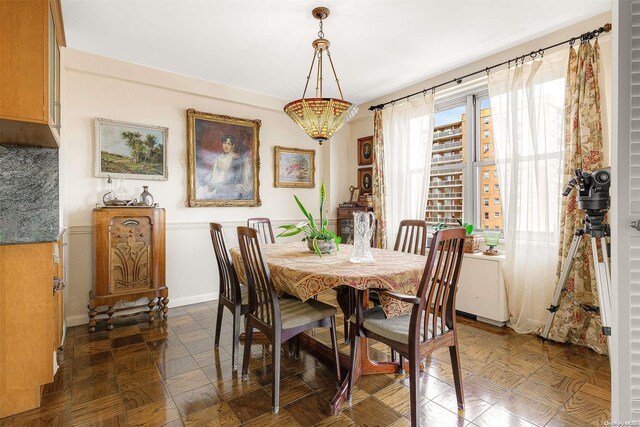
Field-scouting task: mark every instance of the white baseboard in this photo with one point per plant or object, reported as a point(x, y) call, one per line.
point(83, 319)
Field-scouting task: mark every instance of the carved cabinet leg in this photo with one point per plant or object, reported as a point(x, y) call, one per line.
point(110, 313)
point(165, 308)
point(92, 319)
point(152, 312)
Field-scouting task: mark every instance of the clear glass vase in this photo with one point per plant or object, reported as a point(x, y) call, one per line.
point(363, 226)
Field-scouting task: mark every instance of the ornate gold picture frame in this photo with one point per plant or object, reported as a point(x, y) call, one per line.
point(294, 168)
point(223, 161)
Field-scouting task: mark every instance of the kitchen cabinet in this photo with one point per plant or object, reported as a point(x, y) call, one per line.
point(31, 322)
point(31, 34)
point(129, 262)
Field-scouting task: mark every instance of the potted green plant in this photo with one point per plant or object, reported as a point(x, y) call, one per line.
point(471, 244)
point(319, 239)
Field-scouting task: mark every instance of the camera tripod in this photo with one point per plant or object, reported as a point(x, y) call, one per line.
point(595, 229)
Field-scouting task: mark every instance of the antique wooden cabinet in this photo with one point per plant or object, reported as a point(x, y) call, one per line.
point(344, 228)
point(129, 262)
point(31, 34)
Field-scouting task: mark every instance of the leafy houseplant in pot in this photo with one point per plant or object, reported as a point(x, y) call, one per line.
point(471, 244)
point(319, 239)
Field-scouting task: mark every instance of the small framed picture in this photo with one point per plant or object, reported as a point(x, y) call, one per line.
point(365, 178)
point(130, 150)
point(294, 168)
point(365, 150)
point(223, 163)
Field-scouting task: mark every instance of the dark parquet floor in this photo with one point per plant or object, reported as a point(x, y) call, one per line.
point(169, 373)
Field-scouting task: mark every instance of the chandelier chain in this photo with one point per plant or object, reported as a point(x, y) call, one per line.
point(313, 60)
point(334, 73)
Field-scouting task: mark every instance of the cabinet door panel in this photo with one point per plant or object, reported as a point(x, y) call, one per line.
point(23, 60)
point(131, 254)
point(479, 290)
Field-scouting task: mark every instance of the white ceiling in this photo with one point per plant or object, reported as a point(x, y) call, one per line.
point(265, 46)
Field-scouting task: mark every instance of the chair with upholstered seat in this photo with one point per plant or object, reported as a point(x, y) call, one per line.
point(263, 227)
point(232, 295)
point(279, 319)
point(412, 239)
point(431, 323)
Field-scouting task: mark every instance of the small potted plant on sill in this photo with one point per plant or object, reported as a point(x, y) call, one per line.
point(471, 244)
point(319, 239)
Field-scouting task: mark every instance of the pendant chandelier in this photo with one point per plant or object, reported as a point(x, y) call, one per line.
point(320, 117)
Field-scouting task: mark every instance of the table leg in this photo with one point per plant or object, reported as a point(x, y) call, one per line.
point(365, 366)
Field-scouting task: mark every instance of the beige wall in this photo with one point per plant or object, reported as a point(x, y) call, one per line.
point(95, 86)
point(362, 124)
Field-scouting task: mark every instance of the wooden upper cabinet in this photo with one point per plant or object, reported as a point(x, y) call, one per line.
point(31, 33)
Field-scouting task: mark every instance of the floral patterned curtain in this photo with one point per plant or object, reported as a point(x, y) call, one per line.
point(379, 195)
point(583, 149)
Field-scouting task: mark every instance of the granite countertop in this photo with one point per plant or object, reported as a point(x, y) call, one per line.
point(17, 236)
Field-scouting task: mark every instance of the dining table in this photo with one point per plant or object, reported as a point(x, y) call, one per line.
point(299, 272)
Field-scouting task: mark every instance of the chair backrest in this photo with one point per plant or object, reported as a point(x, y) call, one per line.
point(263, 301)
point(229, 286)
point(263, 227)
point(412, 237)
point(439, 284)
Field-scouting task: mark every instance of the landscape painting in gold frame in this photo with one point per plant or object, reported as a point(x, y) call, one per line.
point(223, 161)
point(294, 168)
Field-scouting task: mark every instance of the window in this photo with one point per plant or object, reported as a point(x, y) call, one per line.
point(496, 214)
point(463, 173)
point(447, 164)
point(484, 161)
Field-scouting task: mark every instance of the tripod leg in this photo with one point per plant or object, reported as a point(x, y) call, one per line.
point(602, 283)
point(555, 302)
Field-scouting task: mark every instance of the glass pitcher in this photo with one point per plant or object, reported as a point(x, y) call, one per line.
point(363, 226)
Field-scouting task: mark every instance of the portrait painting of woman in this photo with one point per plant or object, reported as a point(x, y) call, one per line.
point(223, 160)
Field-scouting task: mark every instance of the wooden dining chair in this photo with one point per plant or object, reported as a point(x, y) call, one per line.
point(232, 295)
point(263, 227)
point(431, 323)
point(279, 319)
point(412, 237)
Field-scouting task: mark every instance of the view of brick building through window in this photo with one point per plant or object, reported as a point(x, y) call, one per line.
point(445, 201)
point(446, 188)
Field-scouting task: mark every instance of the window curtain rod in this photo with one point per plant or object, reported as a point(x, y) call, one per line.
point(583, 37)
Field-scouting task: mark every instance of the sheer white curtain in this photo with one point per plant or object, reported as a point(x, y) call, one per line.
point(408, 135)
point(527, 109)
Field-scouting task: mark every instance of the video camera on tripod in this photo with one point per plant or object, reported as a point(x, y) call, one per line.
point(595, 199)
point(593, 196)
